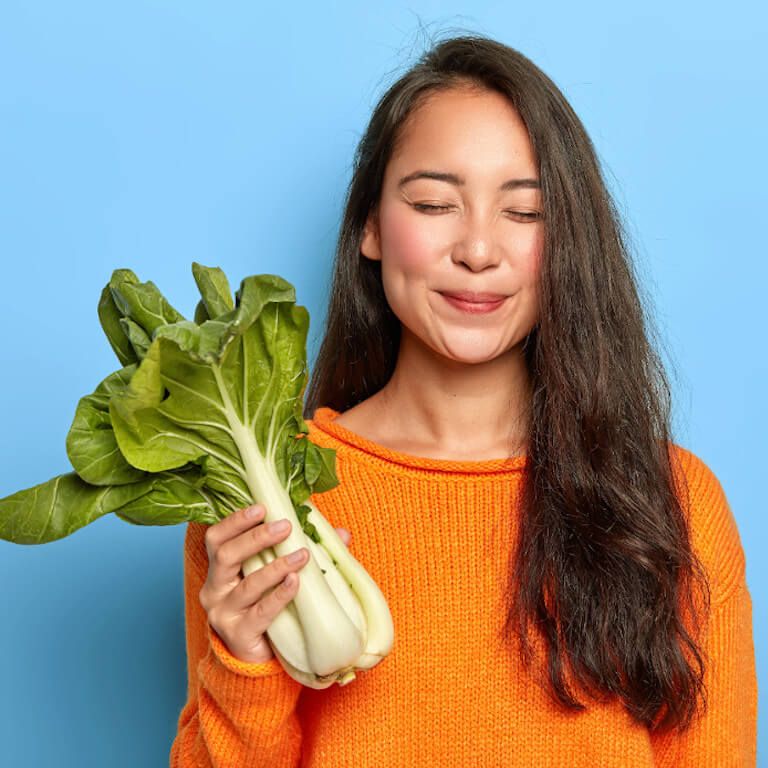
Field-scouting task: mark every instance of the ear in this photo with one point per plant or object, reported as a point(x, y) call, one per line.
point(370, 245)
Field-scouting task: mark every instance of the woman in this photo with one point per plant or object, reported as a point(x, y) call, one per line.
point(567, 585)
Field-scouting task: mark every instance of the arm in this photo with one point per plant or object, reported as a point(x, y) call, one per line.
point(725, 735)
point(236, 713)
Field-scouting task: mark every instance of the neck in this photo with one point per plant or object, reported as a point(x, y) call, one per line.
point(457, 408)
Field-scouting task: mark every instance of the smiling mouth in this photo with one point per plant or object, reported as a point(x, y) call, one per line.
point(474, 307)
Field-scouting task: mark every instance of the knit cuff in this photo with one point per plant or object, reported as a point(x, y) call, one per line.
point(248, 669)
point(246, 711)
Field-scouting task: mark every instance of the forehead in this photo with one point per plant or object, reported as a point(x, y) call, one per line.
point(469, 130)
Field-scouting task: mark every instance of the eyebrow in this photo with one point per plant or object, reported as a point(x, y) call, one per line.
point(458, 181)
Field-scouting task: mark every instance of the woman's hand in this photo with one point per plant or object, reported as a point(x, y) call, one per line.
point(239, 609)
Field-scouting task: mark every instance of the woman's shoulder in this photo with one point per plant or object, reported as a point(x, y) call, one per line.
point(357, 426)
point(360, 419)
point(701, 489)
point(356, 418)
point(713, 529)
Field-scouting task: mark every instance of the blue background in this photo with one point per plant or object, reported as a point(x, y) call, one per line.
point(148, 135)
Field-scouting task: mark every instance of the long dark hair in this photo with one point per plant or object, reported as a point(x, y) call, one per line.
point(604, 568)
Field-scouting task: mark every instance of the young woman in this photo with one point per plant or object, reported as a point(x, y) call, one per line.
point(567, 585)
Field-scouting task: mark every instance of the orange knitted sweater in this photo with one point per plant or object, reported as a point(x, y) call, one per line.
point(436, 535)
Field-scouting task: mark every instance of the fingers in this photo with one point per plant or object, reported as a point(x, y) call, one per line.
point(232, 525)
point(242, 609)
point(224, 559)
point(345, 535)
point(259, 538)
point(266, 591)
point(259, 617)
point(256, 586)
point(237, 537)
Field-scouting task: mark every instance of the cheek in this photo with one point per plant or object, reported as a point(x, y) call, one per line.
point(531, 267)
point(532, 256)
point(408, 246)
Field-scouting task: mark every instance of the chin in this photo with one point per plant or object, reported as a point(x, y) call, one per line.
point(470, 354)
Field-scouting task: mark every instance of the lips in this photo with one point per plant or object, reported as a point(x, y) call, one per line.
point(474, 306)
point(475, 298)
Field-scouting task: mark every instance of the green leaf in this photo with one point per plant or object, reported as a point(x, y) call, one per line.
point(319, 472)
point(109, 317)
point(227, 395)
point(147, 437)
point(60, 506)
point(91, 445)
point(129, 312)
point(136, 335)
point(141, 302)
point(174, 498)
point(204, 418)
point(64, 504)
point(214, 288)
point(201, 313)
point(321, 468)
point(302, 512)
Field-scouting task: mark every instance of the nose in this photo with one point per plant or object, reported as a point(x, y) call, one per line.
point(477, 246)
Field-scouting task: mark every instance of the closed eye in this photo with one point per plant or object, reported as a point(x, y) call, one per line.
point(525, 215)
point(425, 207)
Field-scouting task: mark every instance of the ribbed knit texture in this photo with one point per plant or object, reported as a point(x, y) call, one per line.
point(436, 536)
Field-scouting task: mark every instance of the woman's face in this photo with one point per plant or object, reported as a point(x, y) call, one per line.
point(487, 235)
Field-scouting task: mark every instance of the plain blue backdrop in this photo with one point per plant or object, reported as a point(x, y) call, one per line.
point(148, 135)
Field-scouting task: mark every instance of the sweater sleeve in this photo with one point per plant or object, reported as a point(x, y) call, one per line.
point(725, 734)
point(236, 713)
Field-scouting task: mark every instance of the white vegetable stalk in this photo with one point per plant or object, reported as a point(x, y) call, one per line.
point(339, 620)
point(360, 631)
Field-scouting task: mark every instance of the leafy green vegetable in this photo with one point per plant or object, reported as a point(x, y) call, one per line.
point(202, 418)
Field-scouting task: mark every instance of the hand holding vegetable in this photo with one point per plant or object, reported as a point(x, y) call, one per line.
point(241, 609)
point(203, 419)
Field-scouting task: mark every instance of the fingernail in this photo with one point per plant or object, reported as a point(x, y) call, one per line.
point(296, 557)
point(278, 526)
point(253, 511)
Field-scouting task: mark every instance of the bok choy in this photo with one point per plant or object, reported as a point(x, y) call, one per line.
point(204, 417)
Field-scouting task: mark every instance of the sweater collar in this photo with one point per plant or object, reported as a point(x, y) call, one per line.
point(324, 420)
